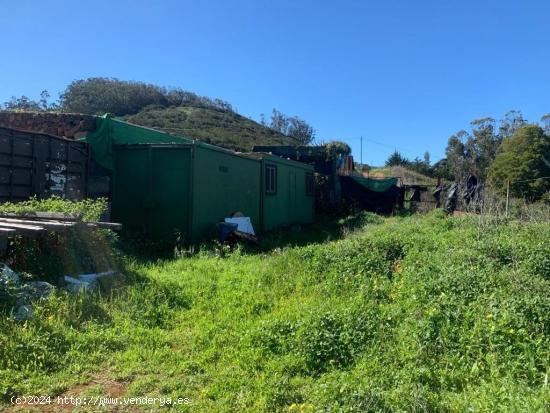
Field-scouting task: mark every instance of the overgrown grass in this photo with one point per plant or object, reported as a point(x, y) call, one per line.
point(219, 127)
point(407, 176)
point(423, 313)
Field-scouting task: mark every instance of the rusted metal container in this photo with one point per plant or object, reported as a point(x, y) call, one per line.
point(41, 165)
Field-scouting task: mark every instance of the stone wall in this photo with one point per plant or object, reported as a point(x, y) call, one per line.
point(67, 125)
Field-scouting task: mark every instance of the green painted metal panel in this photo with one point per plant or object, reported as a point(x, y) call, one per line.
point(223, 183)
point(291, 204)
point(151, 189)
point(376, 185)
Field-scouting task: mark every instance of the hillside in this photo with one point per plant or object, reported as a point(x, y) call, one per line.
point(220, 127)
point(422, 313)
point(172, 110)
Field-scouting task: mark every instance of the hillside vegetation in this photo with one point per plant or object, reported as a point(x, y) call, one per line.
point(424, 313)
point(172, 110)
point(216, 126)
point(407, 176)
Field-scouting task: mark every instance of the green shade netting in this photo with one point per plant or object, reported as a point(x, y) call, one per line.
point(376, 185)
point(111, 132)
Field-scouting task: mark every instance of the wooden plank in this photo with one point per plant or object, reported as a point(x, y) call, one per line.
point(58, 216)
point(21, 226)
point(5, 231)
point(46, 224)
point(29, 230)
point(105, 225)
point(54, 221)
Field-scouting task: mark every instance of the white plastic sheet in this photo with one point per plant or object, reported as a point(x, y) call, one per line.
point(243, 224)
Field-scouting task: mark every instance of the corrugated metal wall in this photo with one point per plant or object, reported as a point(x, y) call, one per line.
point(34, 164)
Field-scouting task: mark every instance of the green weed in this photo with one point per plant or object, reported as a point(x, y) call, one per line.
point(418, 313)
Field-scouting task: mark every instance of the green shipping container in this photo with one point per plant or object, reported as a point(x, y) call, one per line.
point(287, 195)
point(166, 186)
point(166, 190)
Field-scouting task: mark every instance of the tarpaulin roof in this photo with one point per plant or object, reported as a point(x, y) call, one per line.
point(111, 132)
point(376, 185)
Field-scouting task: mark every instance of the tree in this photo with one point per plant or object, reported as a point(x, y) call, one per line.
point(279, 122)
point(25, 104)
point(440, 169)
point(512, 122)
point(98, 95)
point(291, 126)
point(22, 103)
point(422, 166)
point(472, 154)
point(522, 161)
point(396, 159)
point(300, 130)
point(458, 164)
point(545, 120)
point(482, 147)
point(338, 148)
point(427, 158)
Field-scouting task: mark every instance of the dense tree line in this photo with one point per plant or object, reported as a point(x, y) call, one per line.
point(522, 164)
point(516, 153)
point(24, 103)
point(422, 166)
point(107, 95)
point(509, 153)
point(472, 153)
point(99, 95)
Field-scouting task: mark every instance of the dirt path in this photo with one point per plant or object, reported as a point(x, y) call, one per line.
point(101, 386)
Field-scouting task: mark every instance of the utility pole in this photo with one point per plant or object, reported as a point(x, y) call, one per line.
point(361, 152)
point(507, 197)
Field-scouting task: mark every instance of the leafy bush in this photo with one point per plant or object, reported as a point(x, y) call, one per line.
point(87, 209)
point(107, 95)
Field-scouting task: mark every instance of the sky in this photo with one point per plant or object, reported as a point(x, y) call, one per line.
point(404, 75)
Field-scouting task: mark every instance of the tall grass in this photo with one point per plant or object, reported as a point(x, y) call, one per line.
point(423, 313)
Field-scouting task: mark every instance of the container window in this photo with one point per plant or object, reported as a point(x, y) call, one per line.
point(310, 189)
point(270, 179)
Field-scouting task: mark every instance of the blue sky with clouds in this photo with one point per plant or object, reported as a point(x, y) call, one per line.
point(402, 74)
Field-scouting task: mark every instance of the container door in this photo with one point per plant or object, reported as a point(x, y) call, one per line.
point(170, 192)
point(151, 190)
point(130, 186)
